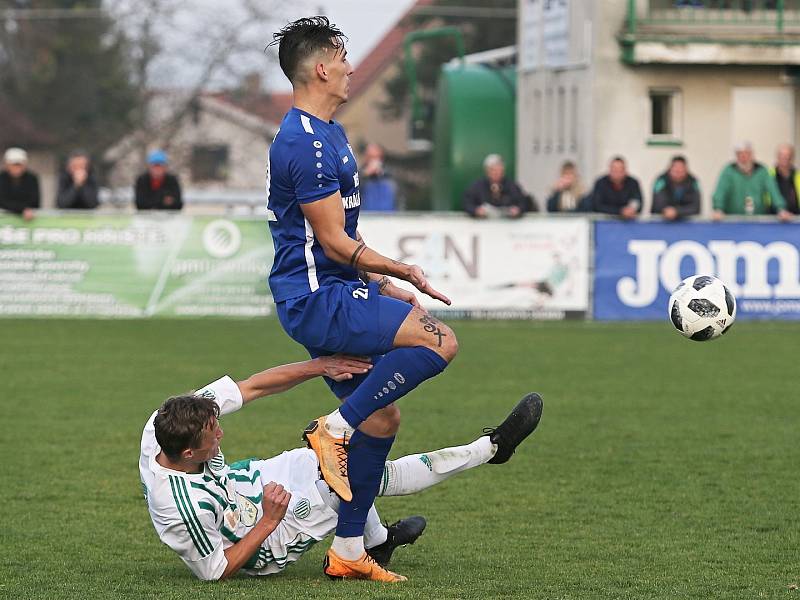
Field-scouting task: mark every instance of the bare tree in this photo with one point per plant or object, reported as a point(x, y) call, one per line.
point(183, 48)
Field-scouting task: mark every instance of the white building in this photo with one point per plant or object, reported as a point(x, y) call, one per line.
point(648, 79)
point(218, 148)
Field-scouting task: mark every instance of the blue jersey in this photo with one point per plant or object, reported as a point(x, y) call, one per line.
point(309, 159)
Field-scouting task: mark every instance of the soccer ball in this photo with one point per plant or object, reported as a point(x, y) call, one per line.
point(702, 308)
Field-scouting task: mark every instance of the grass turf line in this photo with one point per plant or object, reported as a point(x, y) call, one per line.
point(662, 468)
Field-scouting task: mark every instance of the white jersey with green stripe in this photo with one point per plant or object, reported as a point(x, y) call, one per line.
point(199, 515)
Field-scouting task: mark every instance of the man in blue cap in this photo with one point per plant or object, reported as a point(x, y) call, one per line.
point(158, 189)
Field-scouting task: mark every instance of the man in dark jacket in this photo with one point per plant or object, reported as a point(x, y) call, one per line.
point(157, 189)
point(495, 194)
point(676, 193)
point(77, 188)
point(19, 187)
point(617, 193)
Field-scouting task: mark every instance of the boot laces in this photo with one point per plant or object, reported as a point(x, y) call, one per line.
point(341, 456)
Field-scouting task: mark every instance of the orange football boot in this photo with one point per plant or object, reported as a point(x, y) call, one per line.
point(332, 455)
point(364, 567)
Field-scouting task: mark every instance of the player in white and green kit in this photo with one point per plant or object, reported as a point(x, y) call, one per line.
point(260, 515)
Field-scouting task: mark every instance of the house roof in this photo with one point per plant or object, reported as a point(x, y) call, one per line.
point(269, 107)
point(18, 130)
point(384, 54)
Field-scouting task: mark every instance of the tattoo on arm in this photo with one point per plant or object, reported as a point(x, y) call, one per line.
point(357, 254)
point(364, 276)
point(384, 281)
point(431, 325)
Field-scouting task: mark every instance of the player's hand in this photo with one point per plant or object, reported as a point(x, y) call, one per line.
point(275, 502)
point(341, 367)
point(784, 216)
point(717, 215)
point(399, 293)
point(670, 213)
point(416, 277)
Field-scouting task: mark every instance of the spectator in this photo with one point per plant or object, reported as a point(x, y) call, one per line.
point(787, 177)
point(746, 188)
point(617, 193)
point(377, 187)
point(19, 187)
point(157, 189)
point(567, 192)
point(77, 188)
point(676, 193)
point(495, 195)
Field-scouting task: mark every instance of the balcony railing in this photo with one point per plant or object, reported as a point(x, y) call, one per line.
point(710, 17)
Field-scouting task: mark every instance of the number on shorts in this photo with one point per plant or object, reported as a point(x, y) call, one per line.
point(362, 293)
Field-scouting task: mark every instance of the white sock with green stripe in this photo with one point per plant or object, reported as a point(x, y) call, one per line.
point(416, 472)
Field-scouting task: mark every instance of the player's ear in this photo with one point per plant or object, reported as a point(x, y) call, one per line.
point(322, 72)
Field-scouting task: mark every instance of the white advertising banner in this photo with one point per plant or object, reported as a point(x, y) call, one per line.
point(531, 268)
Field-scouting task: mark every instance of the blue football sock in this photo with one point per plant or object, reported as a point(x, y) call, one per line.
point(366, 459)
point(398, 372)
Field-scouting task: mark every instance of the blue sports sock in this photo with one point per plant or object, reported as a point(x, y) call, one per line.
point(398, 372)
point(366, 459)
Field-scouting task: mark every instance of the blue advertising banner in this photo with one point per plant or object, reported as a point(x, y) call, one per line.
point(637, 265)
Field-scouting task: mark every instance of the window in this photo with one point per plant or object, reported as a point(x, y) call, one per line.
point(537, 121)
point(665, 116)
point(210, 163)
point(548, 120)
point(573, 138)
point(561, 109)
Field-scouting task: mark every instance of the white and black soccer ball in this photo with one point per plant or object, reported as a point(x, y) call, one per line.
point(702, 308)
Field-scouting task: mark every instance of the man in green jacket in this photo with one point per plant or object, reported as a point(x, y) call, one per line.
point(745, 187)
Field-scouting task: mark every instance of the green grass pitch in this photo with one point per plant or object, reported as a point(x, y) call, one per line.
point(662, 468)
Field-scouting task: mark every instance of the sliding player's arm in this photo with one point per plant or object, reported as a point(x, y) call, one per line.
point(338, 367)
point(274, 503)
point(327, 219)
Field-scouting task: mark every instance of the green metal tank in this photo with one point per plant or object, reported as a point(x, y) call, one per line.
point(475, 116)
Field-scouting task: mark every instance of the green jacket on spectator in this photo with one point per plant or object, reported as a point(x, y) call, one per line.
point(754, 194)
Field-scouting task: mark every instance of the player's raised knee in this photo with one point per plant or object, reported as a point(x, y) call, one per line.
point(441, 340)
point(450, 346)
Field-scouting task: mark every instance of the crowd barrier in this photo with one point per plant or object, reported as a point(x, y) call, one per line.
point(96, 265)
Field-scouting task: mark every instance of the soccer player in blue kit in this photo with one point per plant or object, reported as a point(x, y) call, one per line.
point(333, 294)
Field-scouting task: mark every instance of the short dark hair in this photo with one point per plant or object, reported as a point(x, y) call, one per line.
point(303, 38)
point(617, 158)
point(180, 422)
point(678, 158)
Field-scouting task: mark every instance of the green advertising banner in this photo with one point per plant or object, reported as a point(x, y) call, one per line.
point(137, 266)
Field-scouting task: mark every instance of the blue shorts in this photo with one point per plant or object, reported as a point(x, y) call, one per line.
point(344, 317)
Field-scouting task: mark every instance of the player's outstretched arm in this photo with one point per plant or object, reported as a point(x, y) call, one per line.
point(338, 367)
point(274, 504)
point(326, 217)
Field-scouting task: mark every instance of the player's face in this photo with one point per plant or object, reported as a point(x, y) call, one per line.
point(209, 445)
point(339, 71)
